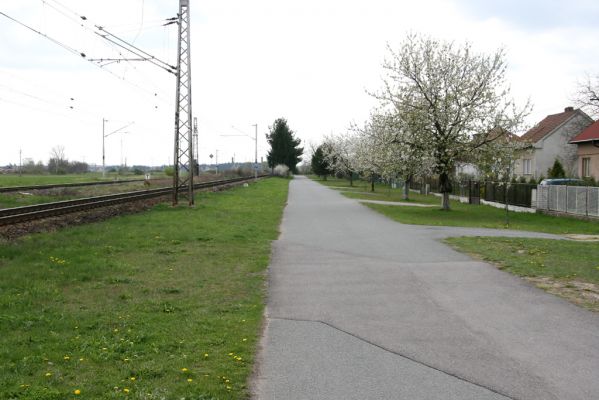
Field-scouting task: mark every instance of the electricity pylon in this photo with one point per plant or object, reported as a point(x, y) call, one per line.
point(184, 171)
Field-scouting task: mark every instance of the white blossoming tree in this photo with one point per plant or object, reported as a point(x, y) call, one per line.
point(445, 94)
point(339, 152)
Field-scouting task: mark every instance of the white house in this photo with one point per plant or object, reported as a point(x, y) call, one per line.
point(550, 140)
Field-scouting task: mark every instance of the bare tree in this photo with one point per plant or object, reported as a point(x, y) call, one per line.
point(58, 159)
point(445, 94)
point(587, 95)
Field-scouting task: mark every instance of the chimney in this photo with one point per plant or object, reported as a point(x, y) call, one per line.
point(567, 109)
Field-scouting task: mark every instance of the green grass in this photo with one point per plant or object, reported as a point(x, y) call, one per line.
point(486, 217)
point(394, 195)
point(47, 179)
point(557, 259)
point(9, 200)
point(465, 215)
point(143, 302)
point(361, 190)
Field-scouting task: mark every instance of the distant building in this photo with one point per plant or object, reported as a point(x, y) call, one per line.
point(550, 140)
point(587, 143)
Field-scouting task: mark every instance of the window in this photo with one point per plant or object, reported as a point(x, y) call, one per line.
point(526, 167)
point(586, 167)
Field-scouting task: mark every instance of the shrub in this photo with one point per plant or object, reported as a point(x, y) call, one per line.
point(281, 170)
point(169, 171)
point(557, 170)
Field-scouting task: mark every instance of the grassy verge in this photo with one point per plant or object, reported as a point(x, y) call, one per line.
point(566, 268)
point(465, 215)
point(161, 305)
point(394, 195)
point(486, 217)
point(47, 179)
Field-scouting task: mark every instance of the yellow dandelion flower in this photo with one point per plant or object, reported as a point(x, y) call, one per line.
point(126, 390)
point(228, 387)
point(189, 380)
point(77, 391)
point(226, 381)
point(81, 359)
point(184, 369)
point(48, 373)
point(230, 354)
point(104, 348)
point(67, 358)
point(205, 354)
point(244, 340)
point(132, 378)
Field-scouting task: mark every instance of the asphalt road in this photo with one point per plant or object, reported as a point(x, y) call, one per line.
point(362, 307)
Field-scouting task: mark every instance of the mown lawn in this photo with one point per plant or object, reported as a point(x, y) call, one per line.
point(559, 259)
point(486, 217)
point(161, 305)
point(567, 268)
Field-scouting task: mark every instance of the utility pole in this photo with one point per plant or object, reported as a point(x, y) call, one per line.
point(183, 160)
point(256, 153)
point(104, 136)
point(103, 149)
point(196, 153)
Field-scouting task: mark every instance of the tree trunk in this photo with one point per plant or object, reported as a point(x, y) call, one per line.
point(372, 184)
point(406, 188)
point(351, 179)
point(445, 188)
point(445, 203)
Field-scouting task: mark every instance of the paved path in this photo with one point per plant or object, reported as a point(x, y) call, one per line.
point(361, 307)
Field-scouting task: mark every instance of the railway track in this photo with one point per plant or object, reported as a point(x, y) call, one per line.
point(9, 189)
point(15, 215)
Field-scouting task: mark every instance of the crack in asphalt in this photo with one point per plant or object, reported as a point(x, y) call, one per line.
point(410, 358)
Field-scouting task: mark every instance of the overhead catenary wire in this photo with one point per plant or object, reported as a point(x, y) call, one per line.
point(55, 41)
point(119, 41)
point(135, 50)
point(79, 53)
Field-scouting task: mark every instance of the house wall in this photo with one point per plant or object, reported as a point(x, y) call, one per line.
point(588, 150)
point(519, 164)
point(556, 145)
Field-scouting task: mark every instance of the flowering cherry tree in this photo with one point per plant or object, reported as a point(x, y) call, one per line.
point(444, 95)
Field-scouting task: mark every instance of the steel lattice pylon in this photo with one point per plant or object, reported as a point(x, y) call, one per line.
point(183, 160)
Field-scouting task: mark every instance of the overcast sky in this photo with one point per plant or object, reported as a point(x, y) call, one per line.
point(308, 61)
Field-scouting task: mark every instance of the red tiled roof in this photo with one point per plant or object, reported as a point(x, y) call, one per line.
point(547, 125)
point(590, 133)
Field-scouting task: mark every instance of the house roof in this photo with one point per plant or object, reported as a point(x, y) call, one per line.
point(548, 125)
point(589, 134)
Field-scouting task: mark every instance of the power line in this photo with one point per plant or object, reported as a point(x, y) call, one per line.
point(135, 50)
point(64, 46)
point(141, 25)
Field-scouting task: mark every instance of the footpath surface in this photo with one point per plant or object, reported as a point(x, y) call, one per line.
point(362, 307)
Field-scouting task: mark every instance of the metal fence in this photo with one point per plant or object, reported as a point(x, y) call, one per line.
point(579, 200)
point(517, 194)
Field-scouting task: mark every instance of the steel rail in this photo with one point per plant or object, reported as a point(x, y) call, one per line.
point(8, 189)
point(39, 211)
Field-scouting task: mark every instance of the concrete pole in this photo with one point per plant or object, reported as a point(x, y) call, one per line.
point(103, 150)
point(256, 153)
